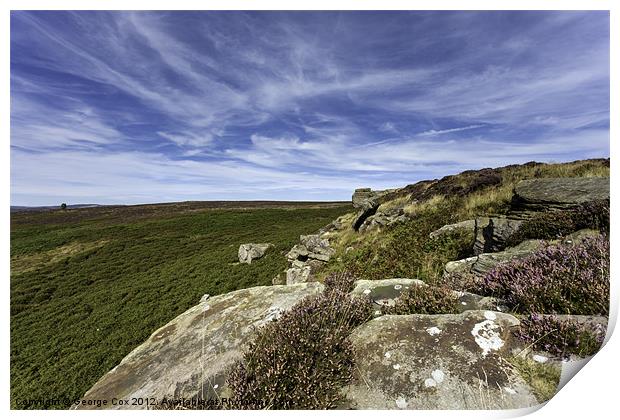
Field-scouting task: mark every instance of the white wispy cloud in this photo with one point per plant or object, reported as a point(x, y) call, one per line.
point(251, 104)
point(449, 130)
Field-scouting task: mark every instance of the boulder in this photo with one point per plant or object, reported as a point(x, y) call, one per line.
point(362, 195)
point(249, 252)
point(383, 219)
point(367, 209)
point(468, 225)
point(492, 233)
point(483, 263)
point(302, 271)
point(544, 194)
point(454, 361)
point(189, 356)
point(318, 247)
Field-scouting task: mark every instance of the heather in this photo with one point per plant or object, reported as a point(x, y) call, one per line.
point(563, 278)
point(425, 300)
point(560, 337)
point(303, 359)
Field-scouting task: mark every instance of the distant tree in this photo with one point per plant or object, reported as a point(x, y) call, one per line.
point(63, 206)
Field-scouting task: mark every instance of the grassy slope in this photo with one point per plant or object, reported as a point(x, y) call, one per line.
point(405, 250)
point(90, 285)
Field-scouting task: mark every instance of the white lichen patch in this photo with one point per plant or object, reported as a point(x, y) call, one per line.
point(433, 331)
point(401, 402)
point(540, 358)
point(438, 376)
point(486, 335)
point(367, 291)
point(429, 383)
point(490, 315)
point(273, 313)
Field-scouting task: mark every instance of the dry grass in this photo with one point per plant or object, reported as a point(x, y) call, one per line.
point(413, 209)
point(30, 262)
point(395, 204)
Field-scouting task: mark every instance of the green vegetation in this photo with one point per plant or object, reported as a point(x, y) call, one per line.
point(303, 359)
point(405, 249)
point(425, 300)
point(89, 285)
point(560, 337)
point(542, 378)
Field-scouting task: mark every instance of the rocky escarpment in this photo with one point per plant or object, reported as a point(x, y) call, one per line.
point(464, 359)
point(545, 194)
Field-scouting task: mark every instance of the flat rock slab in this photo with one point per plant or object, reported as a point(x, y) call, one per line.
point(190, 356)
point(453, 361)
point(542, 193)
point(384, 293)
point(483, 263)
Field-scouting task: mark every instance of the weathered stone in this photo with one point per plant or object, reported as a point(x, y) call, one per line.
point(367, 209)
point(483, 263)
point(363, 195)
point(467, 225)
point(471, 301)
point(380, 220)
point(298, 252)
point(492, 233)
point(384, 292)
point(189, 356)
point(317, 246)
point(453, 361)
point(544, 194)
point(301, 272)
point(249, 252)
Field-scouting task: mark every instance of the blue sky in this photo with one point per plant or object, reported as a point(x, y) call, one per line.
point(138, 107)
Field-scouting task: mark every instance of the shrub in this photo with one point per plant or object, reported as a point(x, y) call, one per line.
point(560, 337)
point(405, 249)
point(425, 300)
point(556, 224)
point(570, 279)
point(302, 360)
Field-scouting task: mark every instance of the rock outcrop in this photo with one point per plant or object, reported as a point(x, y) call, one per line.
point(437, 362)
point(250, 252)
point(483, 263)
point(382, 219)
point(383, 293)
point(307, 257)
point(467, 225)
point(544, 194)
point(367, 209)
point(362, 195)
point(492, 233)
point(189, 356)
